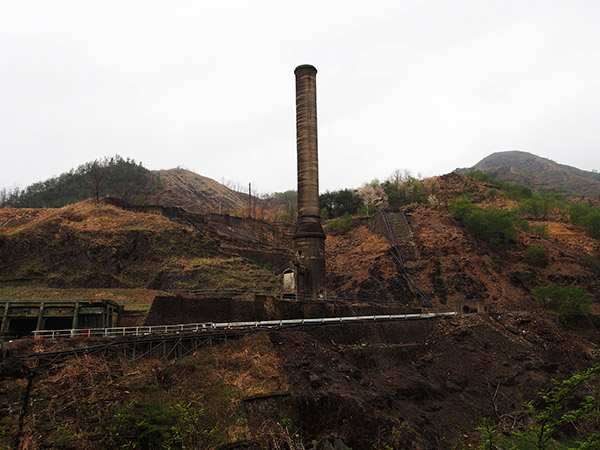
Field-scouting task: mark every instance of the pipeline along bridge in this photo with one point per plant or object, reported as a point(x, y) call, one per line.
point(177, 341)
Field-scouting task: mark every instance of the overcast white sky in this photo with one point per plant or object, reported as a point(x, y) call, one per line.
point(208, 85)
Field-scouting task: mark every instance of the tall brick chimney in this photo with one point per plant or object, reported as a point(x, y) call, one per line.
point(309, 239)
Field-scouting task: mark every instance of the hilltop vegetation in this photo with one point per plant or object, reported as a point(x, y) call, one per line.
point(114, 176)
point(539, 173)
point(128, 180)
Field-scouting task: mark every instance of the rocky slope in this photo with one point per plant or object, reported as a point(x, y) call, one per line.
point(180, 187)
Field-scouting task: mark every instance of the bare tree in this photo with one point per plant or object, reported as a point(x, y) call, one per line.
point(95, 176)
point(9, 197)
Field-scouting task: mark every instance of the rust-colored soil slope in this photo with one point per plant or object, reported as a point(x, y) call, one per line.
point(448, 263)
point(180, 187)
point(418, 384)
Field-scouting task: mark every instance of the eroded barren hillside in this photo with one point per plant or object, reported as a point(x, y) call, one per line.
point(424, 384)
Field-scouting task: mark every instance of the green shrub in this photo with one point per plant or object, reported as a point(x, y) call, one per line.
point(462, 208)
point(536, 207)
point(586, 216)
point(493, 193)
point(542, 230)
point(578, 212)
point(537, 256)
point(521, 223)
point(342, 225)
point(524, 275)
point(492, 224)
point(480, 175)
point(569, 302)
point(155, 423)
point(592, 224)
point(338, 203)
point(365, 210)
point(561, 417)
point(511, 190)
point(592, 262)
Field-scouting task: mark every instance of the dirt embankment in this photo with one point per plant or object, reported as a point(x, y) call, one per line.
point(421, 385)
point(101, 246)
point(427, 388)
point(360, 264)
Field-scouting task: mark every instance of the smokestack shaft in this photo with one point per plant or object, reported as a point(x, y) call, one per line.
point(309, 239)
point(306, 141)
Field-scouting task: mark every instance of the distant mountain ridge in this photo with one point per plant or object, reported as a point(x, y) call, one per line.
point(538, 173)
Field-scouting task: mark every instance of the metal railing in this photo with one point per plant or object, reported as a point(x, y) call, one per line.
point(192, 328)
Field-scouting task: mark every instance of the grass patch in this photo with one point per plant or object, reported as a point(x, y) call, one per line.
point(591, 261)
point(140, 299)
point(341, 225)
point(155, 422)
point(541, 230)
point(537, 256)
point(231, 273)
point(524, 275)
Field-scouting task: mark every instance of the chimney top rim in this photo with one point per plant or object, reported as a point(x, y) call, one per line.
point(305, 68)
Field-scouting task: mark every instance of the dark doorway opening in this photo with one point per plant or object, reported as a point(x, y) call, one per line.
point(22, 326)
point(58, 323)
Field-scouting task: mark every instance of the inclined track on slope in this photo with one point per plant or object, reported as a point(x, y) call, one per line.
point(423, 298)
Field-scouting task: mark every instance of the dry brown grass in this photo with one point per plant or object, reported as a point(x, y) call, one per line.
point(72, 402)
point(85, 215)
